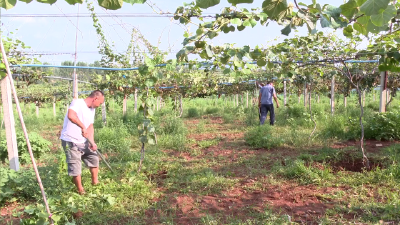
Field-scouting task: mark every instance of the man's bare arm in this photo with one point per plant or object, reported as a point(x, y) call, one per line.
point(73, 117)
point(259, 100)
point(276, 100)
point(90, 136)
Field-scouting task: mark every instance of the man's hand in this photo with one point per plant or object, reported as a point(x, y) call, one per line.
point(84, 132)
point(93, 147)
point(277, 106)
point(259, 105)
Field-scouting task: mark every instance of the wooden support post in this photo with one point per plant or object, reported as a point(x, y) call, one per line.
point(104, 113)
point(383, 93)
point(9, 122)
point(136, 92)
point(284, 93)
point(37, 109)
point(345, 101)
point(333, 95)
point(317, 98)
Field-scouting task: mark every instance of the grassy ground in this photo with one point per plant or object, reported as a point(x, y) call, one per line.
point(217, 166)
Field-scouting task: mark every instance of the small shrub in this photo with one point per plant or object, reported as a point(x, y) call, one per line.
point(175, 141)
point(171, 125)
point(384, 126)
point(334, 127)
point(113, 139)
point(228, 118)
point(193, 112)
point(211, 110)
point(252, 116)
point(39, 146)
point(262, 137)
point(306, 174)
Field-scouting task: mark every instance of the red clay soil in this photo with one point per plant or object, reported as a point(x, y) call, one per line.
point(303, 204)
point(7, 211)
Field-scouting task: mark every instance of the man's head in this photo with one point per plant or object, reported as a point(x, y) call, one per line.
point(271, 82)
point(95, 99)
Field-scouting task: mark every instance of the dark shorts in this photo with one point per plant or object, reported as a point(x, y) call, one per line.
point(76, 153)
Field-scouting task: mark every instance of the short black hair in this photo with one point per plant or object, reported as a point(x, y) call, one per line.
point(96, 93)
point(270, 81)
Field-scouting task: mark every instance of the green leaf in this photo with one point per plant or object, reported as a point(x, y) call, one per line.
point(365, 21)
point(135, 1)
point(349, 9)
point(212, 34)
point(47, 1)
point(276, 9)
point(247, 23)
point(253, 22)
point(200, 31)
point(286, 31)
point(372, 7)
point(333, 11)
point(209, 51)
point(360, 28)
point(325, 22)
point(227, 71)
point(73, 2)
point(8, 4)
point(261, 62)
point(236, 21)
point(200, 44)
point(240, 28)
point(270, 65)
point(348, 31)
point(204, 4)
point(384, 16)
point(235, 2)
point(26, 1)
point(111, 4)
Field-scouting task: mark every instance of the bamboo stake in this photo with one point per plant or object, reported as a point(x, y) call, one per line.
point(28, 143)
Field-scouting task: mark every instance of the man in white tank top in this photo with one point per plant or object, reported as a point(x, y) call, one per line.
point(77, 128)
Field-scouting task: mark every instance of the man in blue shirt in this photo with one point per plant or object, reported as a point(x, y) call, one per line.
point(265, 102)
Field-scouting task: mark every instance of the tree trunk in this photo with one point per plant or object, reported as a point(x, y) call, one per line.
point(345, 101)
point(365, 159)
point(363, 98)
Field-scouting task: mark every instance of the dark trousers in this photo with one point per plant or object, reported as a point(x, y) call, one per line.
point(264, 111)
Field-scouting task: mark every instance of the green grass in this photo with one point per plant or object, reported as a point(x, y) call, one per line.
point(272, 157)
